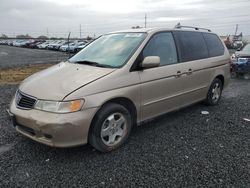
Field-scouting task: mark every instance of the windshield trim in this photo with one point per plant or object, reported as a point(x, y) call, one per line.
point(131, 54)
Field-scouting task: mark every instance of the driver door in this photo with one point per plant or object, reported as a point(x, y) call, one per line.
point(161, 86)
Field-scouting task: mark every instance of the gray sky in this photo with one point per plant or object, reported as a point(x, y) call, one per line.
point(101, 16)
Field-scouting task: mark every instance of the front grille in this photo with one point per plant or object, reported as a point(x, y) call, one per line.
point(25, 101)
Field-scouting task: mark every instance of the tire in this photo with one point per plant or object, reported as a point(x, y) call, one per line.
point(108, 130)
point(214, 92)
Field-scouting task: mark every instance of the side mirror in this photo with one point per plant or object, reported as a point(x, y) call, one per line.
point(150, 62)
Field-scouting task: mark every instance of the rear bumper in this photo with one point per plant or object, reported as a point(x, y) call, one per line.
point(58, 130)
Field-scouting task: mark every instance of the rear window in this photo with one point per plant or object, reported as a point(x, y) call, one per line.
point(214, 45)
point(191, 45)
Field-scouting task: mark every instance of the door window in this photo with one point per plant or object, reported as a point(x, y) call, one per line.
point(162, 45)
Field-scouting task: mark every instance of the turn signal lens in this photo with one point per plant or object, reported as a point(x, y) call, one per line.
point(75, 105)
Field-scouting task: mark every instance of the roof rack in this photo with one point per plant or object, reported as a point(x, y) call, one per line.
point(179, 26)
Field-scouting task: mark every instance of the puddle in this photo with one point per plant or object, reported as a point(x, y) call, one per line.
point(4, 148)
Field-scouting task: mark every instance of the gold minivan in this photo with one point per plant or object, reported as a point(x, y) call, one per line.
point(117, 81)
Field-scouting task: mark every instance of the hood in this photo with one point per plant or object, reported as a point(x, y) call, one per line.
point(59, 80)
point(242, 54)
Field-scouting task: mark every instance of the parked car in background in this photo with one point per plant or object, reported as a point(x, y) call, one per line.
point(73, 47)
point(56, 45)
point(80, 47)
point(15, 42)
point(27, 43)
point(62, 45)
point(238, 44)
point(19, 43)
point(241, 62)
point(65, 47)
point(10, 42)
point(121, 79)
point(51, 43)
point(44, 45)
point(3, 42)
point(34, 44)
point(7, 42)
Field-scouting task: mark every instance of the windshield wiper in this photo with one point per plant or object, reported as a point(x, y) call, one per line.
point(92, 63)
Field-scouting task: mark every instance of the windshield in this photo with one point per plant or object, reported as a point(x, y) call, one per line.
point(246, 48)
point(111, 49)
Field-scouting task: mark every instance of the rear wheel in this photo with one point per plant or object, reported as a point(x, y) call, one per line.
point(214, 93)
point(110, 128)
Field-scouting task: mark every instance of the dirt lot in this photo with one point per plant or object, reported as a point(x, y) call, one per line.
point(180, 149)
point(18, 74)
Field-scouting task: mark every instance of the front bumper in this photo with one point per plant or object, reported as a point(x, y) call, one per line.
point(59, 130)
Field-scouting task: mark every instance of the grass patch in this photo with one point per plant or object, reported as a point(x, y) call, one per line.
point(18, 74)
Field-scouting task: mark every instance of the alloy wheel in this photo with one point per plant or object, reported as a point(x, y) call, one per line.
point(216, 92)
point(113, 129)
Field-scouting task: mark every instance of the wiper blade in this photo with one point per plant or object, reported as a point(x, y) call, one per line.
point(92, 63)
point(86, 62)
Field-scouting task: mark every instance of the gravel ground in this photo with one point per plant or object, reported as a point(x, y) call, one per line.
point(180, 149)
point(15, 56)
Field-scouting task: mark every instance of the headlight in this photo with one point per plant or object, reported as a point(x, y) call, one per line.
point(59, 107)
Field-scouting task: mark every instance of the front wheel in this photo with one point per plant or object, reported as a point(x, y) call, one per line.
point(214, 93)
point(111, 127)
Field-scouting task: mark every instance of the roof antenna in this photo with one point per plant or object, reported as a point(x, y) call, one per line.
point(178, 25)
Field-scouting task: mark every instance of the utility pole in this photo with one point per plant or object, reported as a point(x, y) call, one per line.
point(68, 43)
point(236, 29)
point(80, 31)
point(145, 24)
point(47, 30)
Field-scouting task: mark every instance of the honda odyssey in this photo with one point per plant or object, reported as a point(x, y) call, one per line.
point(117, 81)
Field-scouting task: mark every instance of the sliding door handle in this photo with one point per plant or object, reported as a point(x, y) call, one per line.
point(190, 71)
point(178, 74)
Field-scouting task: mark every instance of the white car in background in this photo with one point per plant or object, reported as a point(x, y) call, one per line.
point(44, 45)
point(73, 48)
point(80, 47)
point(56, 45)
point(65, 47)
point(18, 43)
